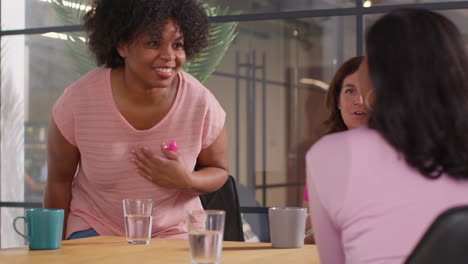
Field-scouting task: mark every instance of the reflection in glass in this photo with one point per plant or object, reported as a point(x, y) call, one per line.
point(278, 69)
point(9, 238)
point(403, 2)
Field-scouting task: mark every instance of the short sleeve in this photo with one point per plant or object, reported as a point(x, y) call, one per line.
point(214, 120)
point(62, 112)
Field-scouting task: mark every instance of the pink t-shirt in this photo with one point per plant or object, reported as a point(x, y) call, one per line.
point(306, 193)
point(367, 204)
point(88, 118)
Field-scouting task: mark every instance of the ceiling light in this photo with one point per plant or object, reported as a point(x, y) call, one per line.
point(71, 4)
point(315, 82)
point(62, 36)
point(367, 3)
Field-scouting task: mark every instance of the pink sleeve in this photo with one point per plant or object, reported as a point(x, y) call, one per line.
point(214, 120)
point(306, 193)
point(327, 181)
point(63, 116)
point(327, 236)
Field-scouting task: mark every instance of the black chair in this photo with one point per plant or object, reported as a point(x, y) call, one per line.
point(257, 217)
point(226, 199)
point(446, 240)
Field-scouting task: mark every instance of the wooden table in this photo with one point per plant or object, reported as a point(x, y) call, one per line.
point(115, 250)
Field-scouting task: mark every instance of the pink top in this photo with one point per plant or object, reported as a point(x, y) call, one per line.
point(88, 118)
point(306, 193)
point(367, 204)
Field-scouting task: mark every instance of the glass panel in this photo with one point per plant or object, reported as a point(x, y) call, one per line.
point(284, 57)
point(21, 14)
point(275, 196)
point(35, 71)
point(55, 61)
point(272, 6)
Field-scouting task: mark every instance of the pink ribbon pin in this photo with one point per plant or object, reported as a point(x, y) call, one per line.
point(173, 146)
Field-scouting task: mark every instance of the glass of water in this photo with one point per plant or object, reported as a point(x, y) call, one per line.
point(206, 230)
point(138, 220)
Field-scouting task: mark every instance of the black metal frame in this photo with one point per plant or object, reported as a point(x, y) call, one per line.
point(354, 11)
point(358, 11)
point(21, 204)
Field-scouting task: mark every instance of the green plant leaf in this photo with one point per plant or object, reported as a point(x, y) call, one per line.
point(79, 55)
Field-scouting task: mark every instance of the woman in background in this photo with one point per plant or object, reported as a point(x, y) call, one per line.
point(346, 110)
point(374, 191)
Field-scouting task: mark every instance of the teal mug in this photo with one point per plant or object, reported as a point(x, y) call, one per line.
point(44, 228)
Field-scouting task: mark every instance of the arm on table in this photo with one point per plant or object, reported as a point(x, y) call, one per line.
point(62, 161)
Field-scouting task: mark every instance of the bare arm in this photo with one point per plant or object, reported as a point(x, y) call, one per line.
point(213, 166)
point(62, 161)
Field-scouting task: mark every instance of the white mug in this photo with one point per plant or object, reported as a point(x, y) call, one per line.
point(287, 225)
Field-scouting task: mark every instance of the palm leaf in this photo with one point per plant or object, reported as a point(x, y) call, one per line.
point(201, 67)
point(75, 45)
point(221, 36)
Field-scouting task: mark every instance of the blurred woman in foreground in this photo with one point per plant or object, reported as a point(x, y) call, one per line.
point(375, 190)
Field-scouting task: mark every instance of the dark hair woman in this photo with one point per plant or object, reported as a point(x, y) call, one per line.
point(116, 120)
point(420, 86)
point(340, 89)
point(374, 191)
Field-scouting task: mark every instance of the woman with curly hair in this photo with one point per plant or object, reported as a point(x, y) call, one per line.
point(375, 190)
point(109, 130)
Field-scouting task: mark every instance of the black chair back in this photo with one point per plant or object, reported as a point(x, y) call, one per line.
point(257, 217)
point(226, 199)
point(446, 240)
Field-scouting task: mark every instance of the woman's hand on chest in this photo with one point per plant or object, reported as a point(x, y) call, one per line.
point(169, 171)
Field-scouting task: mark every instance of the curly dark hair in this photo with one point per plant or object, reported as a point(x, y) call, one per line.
point(419, 68)
point(334, 122)
point(112, 21)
